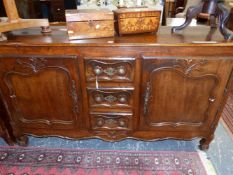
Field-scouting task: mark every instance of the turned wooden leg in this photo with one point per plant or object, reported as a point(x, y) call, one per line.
point(210, 34)
point(191, 13)
point(223, 17)
point(46, 29)
point(22, 141)
point(204, 143)
point(213, 21)
point(3, 37)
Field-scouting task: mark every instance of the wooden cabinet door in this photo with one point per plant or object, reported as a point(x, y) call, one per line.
point(182, 93)
point(41, 91)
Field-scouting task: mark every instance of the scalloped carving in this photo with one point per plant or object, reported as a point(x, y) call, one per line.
point(33, 63)
point(111, 121)
point(108, 70)
point(111, 135)
point(189, 65)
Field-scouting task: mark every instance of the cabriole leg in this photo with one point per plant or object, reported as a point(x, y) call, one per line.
point(22, 141)
point(204, 142)
point(223, 17)
point(191, 13)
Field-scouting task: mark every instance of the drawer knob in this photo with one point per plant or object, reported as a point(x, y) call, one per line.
point(100, 122)
point(122, 99)
point(98, 98)
point(97, 70)
point(121, 70)
point(122, 123)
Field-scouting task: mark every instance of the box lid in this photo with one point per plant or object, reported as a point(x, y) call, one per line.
point(136, 12)
point(88, 15)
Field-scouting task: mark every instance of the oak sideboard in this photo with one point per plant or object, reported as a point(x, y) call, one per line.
point(147, 86)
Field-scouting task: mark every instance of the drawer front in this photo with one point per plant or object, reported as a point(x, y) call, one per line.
point(90, 29)
point(111, 121)
point(138, 25)
point(110, 98)
point(113, 69)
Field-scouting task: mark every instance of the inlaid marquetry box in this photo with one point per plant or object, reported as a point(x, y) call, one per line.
point(136, 20)
point(90, 23)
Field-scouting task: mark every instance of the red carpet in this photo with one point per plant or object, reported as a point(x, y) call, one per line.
point(40, 161)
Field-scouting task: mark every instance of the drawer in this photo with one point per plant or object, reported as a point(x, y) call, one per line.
point(110, 98)
point(110, 69)
point(111, 121)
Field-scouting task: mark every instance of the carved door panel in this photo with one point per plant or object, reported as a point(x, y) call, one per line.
point(182, 94)
point(41, 91)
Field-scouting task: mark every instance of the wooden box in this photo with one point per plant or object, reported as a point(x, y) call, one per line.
point(90, 23)
point(137, 20)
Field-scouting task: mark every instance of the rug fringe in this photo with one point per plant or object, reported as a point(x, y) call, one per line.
point(210, 170)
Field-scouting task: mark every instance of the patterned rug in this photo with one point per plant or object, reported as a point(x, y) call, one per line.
point(41, 161)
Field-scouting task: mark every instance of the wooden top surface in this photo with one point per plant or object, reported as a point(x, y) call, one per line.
point(191, 36)
point(134, 10)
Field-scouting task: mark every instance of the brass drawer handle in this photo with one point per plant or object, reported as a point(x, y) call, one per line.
point(122, 99)
point(98, 98)
point(110, 99)
point(121, 70)
point(98, 70)
point(122, 123)
point(100, 122)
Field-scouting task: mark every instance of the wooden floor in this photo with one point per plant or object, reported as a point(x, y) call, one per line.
point(227, 115)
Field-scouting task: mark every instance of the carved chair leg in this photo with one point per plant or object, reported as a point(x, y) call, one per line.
point(191, 13)
point(211, 33)
point(223, 17)
point(213, 21)
point(3, 37)
point(204, 143)
point(22, 141)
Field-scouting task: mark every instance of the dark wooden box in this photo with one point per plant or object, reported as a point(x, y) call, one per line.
point(90, 23)
point(136, 20)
